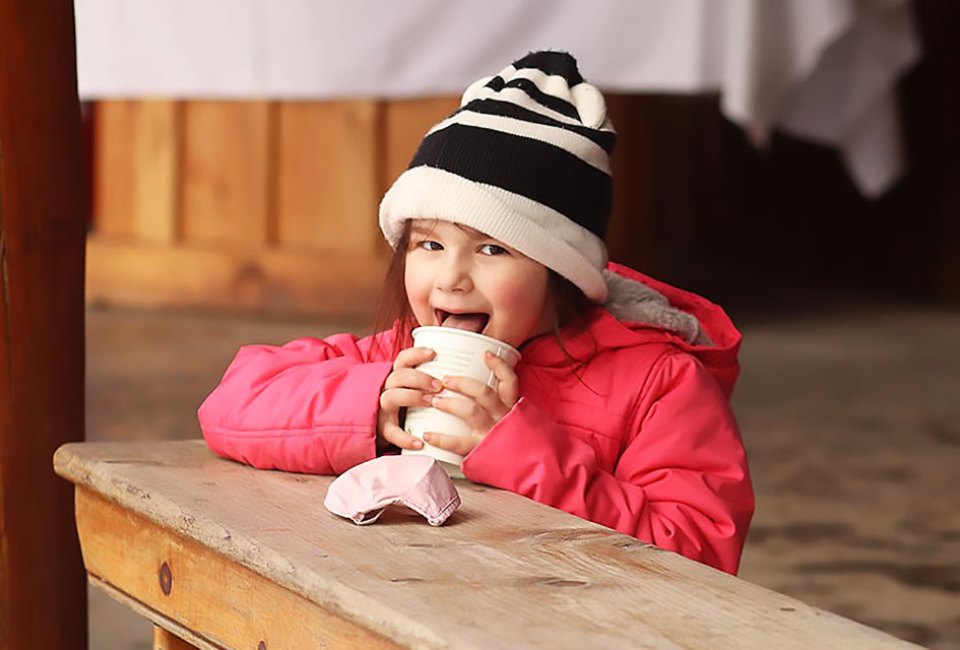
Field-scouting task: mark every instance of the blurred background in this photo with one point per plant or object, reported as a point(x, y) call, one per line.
point(793, 160)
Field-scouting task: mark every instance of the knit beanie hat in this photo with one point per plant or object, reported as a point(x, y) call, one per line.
point(525, 160)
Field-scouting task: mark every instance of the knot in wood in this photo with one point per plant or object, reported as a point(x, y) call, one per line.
point(166, 579)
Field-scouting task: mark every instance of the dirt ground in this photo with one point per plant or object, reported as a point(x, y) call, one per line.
point(850, 415)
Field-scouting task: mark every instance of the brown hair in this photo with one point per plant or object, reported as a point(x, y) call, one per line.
point(393, 310)
point(569, 304)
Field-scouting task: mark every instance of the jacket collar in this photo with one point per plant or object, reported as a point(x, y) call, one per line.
point(658, 313)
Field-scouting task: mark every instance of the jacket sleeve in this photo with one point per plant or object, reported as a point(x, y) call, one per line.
point(681, 482)
point(308, 406)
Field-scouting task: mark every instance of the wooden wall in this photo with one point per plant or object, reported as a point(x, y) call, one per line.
point(251, 205)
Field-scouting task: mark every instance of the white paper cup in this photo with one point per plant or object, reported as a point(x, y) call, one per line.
point(458, 353)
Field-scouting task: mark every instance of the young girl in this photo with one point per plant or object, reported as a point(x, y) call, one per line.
point(618, 411)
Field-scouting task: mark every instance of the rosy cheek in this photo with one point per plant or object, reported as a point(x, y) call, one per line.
point(416, 294)
point(514, 297)
point(524, 297)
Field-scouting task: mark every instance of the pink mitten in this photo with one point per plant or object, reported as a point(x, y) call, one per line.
point(363, 492)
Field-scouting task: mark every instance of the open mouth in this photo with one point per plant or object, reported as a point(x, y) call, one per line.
point(470, 321)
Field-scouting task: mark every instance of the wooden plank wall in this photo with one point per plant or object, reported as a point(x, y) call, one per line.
point(257, 206)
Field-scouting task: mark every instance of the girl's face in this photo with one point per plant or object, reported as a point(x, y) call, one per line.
point(461, 277)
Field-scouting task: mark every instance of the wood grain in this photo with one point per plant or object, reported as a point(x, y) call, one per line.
point(156, 145)
point(632, 236)
point(163, 640)
point(42, 229)
point(115, 172)
point(503, 572)
point(329, 176)
point(136, 157)
point(254, 280)
point(224, 604)
point(225, 179)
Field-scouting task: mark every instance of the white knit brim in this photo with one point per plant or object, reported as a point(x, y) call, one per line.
point(537, 231)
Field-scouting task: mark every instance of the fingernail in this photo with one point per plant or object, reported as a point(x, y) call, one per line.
point(437, 386)
point(417, 444)
point(436, 399)
point(446, 378)
point(427, 398)
point(426, 437)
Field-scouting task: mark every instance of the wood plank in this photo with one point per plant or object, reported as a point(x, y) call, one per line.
point(42, 230)
point(156, 140)
point(266, 281)
point(329, 175)
point(662, 170)
point(548, 579)
point(135, 159)
point(163, 640)
point(405, 124)
point(632, 237)
point(225, 604)
point(224, 178)
point(114, 168)
point(158, 619)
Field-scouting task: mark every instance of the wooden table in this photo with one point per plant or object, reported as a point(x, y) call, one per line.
point(225, 556)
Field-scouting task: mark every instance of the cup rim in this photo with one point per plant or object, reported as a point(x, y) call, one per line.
point(468, 333)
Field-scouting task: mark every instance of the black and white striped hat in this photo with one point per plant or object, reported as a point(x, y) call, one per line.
point(525, 160)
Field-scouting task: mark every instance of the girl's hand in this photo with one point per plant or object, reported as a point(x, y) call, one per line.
point(404, 387)
point(481, 407)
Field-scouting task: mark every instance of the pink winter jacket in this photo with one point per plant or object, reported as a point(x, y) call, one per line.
point(641, 438)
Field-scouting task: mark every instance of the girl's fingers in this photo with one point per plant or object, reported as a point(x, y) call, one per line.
point(488, 399)
point(411, 357)
point(410, 378)
point(461, 445)
point(394, 399)
point(468, 410)
point(508, 386)
point(397, 436)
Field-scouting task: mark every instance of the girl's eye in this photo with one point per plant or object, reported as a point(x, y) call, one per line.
point(430, 245)
point(493, 249)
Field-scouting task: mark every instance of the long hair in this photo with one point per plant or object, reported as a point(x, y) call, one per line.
point(393, 310)
point(570, 305)
point(570, 309)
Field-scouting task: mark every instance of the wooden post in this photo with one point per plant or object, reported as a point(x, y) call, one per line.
point(42, 230)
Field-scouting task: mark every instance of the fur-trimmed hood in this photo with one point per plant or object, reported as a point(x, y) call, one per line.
point(641, 310)
point(695, 324)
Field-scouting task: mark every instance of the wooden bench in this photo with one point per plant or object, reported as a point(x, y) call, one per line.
point(220, 555)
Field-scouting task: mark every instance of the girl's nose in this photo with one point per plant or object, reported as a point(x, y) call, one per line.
point(454, 275)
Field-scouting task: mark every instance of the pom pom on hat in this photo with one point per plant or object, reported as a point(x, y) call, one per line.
point(526, 160)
